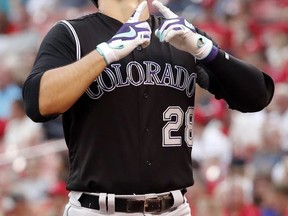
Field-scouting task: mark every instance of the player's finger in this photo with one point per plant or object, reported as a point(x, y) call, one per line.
point(145, 40)
point(167, 13)
point(167, 24)
point(137, 13)
point(169, 33)
point(162, 30)
point(172, 34)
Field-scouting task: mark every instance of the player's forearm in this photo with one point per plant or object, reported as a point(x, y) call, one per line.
point(60, 88)
point(244, 86)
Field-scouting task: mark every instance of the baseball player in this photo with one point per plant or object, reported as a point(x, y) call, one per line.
point(124, 82)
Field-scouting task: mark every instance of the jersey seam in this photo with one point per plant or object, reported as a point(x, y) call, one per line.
point(74, 35)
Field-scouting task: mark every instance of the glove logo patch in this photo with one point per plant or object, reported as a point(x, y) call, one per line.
point(130, 34)
point(201, 42)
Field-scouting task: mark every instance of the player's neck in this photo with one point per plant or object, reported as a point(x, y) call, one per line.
point(121, 10)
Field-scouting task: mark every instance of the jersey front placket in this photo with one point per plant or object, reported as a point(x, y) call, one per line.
point(144, 103)
point(160, 99)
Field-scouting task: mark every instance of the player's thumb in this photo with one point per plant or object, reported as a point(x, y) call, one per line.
point(167, 13)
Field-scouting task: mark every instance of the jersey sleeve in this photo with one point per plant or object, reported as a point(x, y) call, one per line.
point(243, 86)
point(57, 49)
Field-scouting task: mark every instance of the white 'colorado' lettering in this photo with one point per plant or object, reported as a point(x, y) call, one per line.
point(150, 73)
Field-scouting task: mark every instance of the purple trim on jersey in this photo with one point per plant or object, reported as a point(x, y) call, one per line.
point(211, 55)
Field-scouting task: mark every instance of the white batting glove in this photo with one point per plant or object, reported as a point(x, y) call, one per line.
point(181, 34)
point(132, 34)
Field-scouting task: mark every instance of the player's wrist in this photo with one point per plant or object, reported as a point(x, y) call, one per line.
point(107, 52)
point(211, 56)
point(203, 48)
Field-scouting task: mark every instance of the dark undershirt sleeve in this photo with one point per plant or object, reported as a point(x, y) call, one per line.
point(57, 49)
point(244, 87)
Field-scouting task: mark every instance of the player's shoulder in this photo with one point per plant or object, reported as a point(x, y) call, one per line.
point(84, 19)
point(94, 19)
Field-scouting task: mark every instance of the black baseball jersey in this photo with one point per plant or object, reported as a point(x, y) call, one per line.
point(131, 131)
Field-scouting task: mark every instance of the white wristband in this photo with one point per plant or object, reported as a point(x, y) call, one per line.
point(107, 53)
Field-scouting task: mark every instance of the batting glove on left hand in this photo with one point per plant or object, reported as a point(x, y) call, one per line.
point(181, 34)
point(132, 34)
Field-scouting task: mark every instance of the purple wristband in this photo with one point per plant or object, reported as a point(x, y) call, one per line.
point(211, 56)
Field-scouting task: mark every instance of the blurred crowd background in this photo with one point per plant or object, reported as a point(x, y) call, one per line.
point(240, 160)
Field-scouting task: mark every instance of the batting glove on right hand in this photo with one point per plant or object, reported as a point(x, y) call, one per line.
point(132, 34)
point(181, 34)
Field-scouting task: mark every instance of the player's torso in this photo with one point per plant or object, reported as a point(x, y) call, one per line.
point(134, 123)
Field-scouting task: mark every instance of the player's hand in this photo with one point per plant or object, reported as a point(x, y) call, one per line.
point(132, 34)
point(181, 34)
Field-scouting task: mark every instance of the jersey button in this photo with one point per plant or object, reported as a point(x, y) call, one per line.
point(139, 48)
point(147, 130)
point(145, 95)
point(148, 163)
